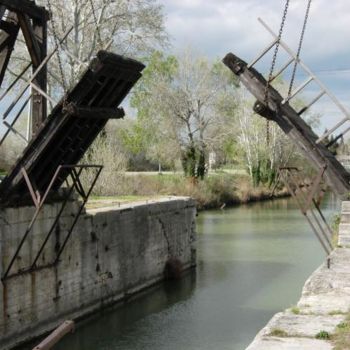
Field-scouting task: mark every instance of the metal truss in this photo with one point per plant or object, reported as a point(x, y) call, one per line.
point(73, 183)
point(308, 196)
point(323, 90)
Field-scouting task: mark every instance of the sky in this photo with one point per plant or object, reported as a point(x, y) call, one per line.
point(216, 27)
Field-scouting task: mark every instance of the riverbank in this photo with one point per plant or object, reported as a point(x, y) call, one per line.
point(216, 191)
point(252, 261)
point(321, 319)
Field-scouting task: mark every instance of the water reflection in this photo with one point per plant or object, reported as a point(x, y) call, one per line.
point(252, 262)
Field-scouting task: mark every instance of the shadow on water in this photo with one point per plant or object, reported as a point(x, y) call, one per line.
point(252, 262)
point(123, 320)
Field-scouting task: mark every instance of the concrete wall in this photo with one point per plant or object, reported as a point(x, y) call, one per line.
point(112, 253)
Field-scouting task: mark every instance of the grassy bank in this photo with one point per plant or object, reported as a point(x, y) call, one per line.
point(215, 191)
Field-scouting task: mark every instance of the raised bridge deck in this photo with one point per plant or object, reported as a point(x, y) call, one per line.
point(73, 125)
point(291, 123)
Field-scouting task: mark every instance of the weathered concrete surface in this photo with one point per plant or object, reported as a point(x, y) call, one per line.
point(323, 304)
point(112, 253)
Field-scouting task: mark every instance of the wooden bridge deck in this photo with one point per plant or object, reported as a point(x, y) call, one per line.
point(73, 125)
point(291, 123)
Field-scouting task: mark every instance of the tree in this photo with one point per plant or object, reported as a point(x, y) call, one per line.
point(107, 151)
point(263, 159)
point(130, 27)
point(12, 146)
point(177, 106)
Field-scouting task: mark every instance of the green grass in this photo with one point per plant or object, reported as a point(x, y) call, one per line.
point(215, 191)
point(335, 229)
point(278, 333)
point(124, 198)
point(336, 312)
point(323, 335)
point(341, 338)
point(295, 310)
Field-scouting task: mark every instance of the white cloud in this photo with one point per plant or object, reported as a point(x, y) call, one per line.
point(217, 27)
point(224, 25)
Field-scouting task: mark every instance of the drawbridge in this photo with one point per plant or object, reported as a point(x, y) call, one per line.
point(59, 139)
point(272, 105)
point(72, 126)
point(278, 108)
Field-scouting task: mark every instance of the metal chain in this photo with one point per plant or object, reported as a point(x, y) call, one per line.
point(299, 48)
point(96, 23)
point(267, 132)
point(273, 63)
point(58, 45)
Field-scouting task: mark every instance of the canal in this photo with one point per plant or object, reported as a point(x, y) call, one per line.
point(252, 262)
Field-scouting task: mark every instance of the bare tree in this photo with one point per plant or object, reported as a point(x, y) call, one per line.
point(262, 158)
point(178, 99)
point(107, 151)
point(126, 27)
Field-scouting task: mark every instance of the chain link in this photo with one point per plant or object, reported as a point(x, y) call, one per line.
point(274, 57)
point(58, 45)
point(299, 48)
point(273, 63)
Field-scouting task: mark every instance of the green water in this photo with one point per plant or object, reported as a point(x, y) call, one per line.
point(252, 262)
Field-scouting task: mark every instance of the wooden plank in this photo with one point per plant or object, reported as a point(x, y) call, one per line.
point(291, 123)
point(93, 112)
point(30, 39)
point(39, 102)
point(8, 27)
point(28, 7)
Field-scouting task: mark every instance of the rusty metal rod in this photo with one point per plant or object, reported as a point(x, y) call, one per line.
point(10, 126)
point(285, 180)
point(15, 81)
point(79, 212)
point(37, 71)
point(43, 245)
point(305, 208)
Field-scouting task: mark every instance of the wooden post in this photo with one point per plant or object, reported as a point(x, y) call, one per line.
point(39, 103)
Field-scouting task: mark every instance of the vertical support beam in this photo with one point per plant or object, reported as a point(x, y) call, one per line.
point(39, 103)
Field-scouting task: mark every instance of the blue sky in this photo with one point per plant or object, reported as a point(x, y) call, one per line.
point(214, 28)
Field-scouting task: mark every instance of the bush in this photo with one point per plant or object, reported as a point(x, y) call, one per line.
point(213, 192)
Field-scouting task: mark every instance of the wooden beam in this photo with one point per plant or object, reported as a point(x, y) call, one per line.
point(291, 123)
point(28, 7)
point(94, 112)
point(8, 27)
point(39, 102)
point(30, 39)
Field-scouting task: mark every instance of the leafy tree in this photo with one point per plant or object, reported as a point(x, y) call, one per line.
point(177, 104)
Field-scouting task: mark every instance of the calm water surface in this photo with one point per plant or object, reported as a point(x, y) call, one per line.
point(252, 262)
